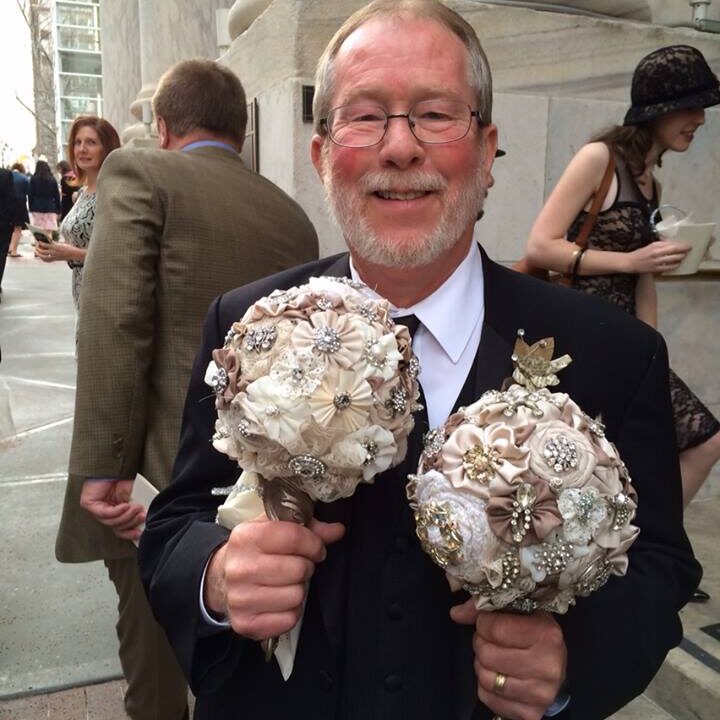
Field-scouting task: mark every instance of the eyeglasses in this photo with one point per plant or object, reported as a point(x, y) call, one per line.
point(430, 121)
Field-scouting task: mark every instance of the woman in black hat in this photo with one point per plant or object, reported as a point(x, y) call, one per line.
point(670, 89)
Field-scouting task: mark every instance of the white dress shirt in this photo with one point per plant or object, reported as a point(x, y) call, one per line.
point(448, 337)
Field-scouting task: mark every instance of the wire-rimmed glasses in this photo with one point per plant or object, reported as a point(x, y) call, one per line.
point(431, 121)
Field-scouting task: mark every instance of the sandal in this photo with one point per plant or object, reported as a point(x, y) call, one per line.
point(16, 254)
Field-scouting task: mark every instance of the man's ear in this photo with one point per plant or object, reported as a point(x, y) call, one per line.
point(162, 132)
point(316, 147)
point(490, 146)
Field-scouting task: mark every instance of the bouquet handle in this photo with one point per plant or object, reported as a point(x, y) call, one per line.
point(284, 500)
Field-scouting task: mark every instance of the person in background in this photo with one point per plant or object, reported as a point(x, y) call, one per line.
point(21, 182)
point(404, 145)
point(670, 89)
point(68, 187)
point(90, 141)
point(44, 197)
point(7, 217)
point(174, 227)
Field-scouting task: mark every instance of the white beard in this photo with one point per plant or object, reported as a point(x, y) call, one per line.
point(459, 212)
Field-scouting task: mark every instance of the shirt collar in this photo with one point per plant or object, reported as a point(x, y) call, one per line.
point(452, 312)
point(208, 143)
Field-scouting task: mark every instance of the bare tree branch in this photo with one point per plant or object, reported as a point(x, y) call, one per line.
point(49, 127)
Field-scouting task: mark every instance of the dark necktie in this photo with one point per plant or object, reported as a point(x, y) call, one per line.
point(409, 321)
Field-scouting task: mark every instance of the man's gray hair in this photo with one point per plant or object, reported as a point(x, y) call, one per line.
point(479, 78)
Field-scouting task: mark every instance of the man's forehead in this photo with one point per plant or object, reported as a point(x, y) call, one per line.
point(407, 45)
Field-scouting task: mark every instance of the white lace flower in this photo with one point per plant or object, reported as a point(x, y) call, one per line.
point(282, 417)
point(371, 448)
point(380, 357)
point(454, 530)
point(297, 374)
point(583, 510)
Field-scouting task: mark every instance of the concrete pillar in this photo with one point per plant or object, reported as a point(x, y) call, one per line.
point(169, 32)
point(120, 58)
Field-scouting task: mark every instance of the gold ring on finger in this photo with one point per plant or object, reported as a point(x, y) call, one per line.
point(499, 683)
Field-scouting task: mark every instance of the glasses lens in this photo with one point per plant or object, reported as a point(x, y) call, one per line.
point(440, 121)
point(356, 125)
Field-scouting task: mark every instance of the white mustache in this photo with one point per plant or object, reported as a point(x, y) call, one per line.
point(402, 182)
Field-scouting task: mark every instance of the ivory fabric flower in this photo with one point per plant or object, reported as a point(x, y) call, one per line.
point(338, 339)
point(282, 417)
point(561, 455)
point(342, 402)
point(473, 456)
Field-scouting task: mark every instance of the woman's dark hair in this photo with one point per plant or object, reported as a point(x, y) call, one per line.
point(19, 167)
point(631, 142)
point(42, 171)
point(63, 167)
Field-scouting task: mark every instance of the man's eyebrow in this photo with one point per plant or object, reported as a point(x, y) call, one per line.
point(382, 97)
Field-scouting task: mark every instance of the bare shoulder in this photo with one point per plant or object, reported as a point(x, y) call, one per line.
point(594, 155)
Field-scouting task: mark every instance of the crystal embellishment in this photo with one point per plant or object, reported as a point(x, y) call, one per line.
point(219, 381)
point(552, 558)
point(397, 402)
point(307, 466)
point(326, 340)
point(561, 454)
point(523, 506)
point(620, 505)
point(260, 339)
point(433, 442)
point(342, 401)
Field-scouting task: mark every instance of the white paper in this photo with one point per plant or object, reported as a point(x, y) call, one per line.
point(697, 235)
point(143, 493)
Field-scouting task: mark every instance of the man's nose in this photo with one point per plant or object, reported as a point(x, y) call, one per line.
point(400, 147)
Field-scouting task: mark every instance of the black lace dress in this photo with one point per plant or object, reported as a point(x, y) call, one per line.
point(624, 227)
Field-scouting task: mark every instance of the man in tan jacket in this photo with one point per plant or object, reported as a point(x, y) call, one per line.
point(173, 230)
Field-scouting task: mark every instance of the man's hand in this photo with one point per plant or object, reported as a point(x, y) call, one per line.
point(108, 502)
point(258, 578)
point(529, 650)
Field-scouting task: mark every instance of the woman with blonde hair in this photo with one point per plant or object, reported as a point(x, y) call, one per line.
point(90, 141)
point(671, 88)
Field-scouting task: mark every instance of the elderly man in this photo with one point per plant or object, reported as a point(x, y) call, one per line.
point(382, 634)
point(174, 228)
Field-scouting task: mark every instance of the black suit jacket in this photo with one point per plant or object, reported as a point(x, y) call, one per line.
point(616, 639)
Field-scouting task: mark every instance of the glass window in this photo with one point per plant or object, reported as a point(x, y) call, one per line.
point(78, 85)
point(67, 14)
point(79, 39)
point(71, 107)
point(82, 63)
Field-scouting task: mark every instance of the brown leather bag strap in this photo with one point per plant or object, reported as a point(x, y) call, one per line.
point(582, 239)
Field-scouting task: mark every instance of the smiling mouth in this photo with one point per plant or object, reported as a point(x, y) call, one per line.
point(409, 195)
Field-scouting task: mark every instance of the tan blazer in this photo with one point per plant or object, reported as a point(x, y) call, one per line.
point(172, 231)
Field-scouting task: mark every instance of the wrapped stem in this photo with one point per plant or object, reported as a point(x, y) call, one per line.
point(284, 500)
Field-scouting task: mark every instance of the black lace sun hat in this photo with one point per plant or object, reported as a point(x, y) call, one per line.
point(671, 78)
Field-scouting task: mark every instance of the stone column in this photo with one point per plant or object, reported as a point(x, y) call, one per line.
point(120, 29)
point(169, 32)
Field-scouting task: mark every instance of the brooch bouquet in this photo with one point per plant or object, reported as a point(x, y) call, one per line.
point(315, 388)
point(521, 498)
